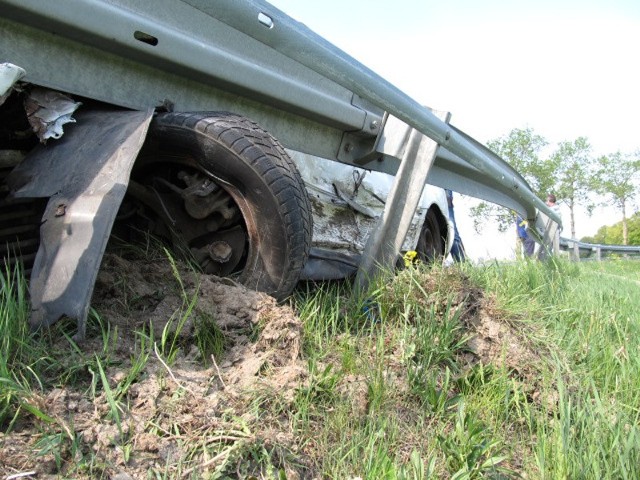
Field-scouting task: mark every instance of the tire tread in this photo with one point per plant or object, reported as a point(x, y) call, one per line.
point(268, 158)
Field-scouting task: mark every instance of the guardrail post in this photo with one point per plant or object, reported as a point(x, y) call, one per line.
point(598, 253)
point(384, 243)
point(576, 252)
point(549, 237)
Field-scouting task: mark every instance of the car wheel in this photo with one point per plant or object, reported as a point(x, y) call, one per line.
point(431, 242)
point(223, 187)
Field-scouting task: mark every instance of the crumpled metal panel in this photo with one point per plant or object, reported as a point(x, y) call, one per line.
point(47, 112)
point(85, 174)
point(9, 75)
point(347, 202)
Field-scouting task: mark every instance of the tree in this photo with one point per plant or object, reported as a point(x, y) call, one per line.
point(571, 165)
point(616, 179)
point(521, 149)
point(612, 234)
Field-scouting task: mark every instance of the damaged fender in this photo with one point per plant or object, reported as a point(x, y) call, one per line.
point(9, 75)
point(85, 175)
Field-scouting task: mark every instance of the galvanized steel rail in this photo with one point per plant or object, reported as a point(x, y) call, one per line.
point(248, 57)
point(191, 39)
point(597, 249)
point(301, 44)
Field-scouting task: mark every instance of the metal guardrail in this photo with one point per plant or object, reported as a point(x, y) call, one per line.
point(298, 42)
point(596, 249)
point(247, 49)
point(248, 57)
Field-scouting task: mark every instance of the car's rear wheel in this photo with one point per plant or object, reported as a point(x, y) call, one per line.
point(431, 241)
point(225, 188)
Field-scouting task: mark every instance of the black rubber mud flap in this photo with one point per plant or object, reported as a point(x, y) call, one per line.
point(85, 176)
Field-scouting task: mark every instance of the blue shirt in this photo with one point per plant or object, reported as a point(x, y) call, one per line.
point(521, 226)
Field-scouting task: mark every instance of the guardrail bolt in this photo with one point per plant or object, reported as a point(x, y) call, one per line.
point(61, 210)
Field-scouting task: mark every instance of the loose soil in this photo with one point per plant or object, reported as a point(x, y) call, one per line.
point(198, 413)
point(168, 408)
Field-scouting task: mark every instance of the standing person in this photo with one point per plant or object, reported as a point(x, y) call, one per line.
point(551, 203)
point(528, 243)
point(457, 249)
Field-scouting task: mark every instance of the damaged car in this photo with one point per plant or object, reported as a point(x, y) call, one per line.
point(229, 129)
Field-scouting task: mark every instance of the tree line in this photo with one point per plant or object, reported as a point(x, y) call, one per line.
point(576, 176)
point(612, 234)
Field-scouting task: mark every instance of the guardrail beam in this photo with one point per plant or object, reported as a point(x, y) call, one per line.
point(598, 249)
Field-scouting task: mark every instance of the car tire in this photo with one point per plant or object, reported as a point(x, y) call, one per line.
point(259, 176)
point(431, 241)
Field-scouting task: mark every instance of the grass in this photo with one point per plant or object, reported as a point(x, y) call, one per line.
point(591, 431)
point(395, 389)
point(618, 266)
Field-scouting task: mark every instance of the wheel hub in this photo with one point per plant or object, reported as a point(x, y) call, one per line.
point(197, 211)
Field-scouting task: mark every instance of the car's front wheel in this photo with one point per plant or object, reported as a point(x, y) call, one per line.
point(225, 188)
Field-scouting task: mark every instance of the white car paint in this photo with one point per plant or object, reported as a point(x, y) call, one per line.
point(348, 201)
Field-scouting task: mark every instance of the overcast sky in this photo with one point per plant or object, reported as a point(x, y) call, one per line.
point(565, 68)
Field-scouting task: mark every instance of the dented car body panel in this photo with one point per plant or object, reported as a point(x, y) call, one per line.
point(85, 187)
point(348, 202)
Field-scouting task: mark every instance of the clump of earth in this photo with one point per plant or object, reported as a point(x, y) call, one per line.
point(171, 405)
point(217, 362)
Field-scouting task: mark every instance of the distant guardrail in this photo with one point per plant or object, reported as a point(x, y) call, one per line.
point(597, 250)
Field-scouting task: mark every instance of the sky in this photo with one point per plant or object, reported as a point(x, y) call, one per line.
point(564, 68)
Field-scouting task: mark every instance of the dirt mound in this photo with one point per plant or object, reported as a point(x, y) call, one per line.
point(182, 401)
point(495, 337)
point(496, 341)
point(189, 376)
